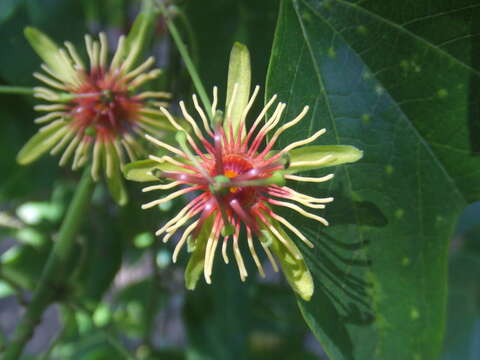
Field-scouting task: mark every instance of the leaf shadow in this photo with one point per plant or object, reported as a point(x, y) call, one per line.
point(341, 297)
point(366, 212)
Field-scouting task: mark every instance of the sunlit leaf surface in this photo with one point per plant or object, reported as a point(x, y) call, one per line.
point(380, 83)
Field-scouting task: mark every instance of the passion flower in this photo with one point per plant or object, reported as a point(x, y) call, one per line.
point(96, 113)
point(239, 182)
point(236, 178)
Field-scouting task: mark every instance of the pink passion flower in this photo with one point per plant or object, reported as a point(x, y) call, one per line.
point(237, 178)
point(96, 113)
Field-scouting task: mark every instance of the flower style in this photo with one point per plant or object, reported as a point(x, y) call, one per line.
point(95, 111)
point(238, 179)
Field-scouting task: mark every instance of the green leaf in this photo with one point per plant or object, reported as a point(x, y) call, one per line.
point(239, 76)
point(40, 143)
point(50, 54)
point(384, 275)
point(341, 154)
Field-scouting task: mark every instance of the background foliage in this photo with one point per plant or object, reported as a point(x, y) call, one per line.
point(400, 80)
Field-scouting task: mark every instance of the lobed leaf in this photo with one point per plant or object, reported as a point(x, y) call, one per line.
point(384, 86)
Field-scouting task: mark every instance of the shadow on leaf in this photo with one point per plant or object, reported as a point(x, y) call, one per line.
point(341, 297)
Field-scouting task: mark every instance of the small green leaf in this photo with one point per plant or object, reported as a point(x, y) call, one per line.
point(341, 154)
point(295, 270)
point(239, 72)
point(50, 54)
point(197, 259)
point(40, 143)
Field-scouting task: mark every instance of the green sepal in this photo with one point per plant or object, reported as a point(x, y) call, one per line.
point(197, 259)
point(49, 52)
point(40, 143)
point(139, 35)
point(117, 189)
point(341, 154)
point(115, 182)
point(295, 270)
point(239, 72)
point(141, 171)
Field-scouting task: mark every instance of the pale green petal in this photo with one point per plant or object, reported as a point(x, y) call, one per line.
point(239, 72)
point(195, 264)
point(117, 188)
point(115, 181)
point(141, 170)
point(49, 52)
point(40, 143)
point(338, 154)
point(295, 270)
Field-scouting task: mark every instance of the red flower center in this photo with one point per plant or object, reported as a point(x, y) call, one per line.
point(104, 104)
point(235, 165)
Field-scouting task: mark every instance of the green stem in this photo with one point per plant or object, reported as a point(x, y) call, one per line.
point(55, 270)
point(19, 90)
point(182, 49)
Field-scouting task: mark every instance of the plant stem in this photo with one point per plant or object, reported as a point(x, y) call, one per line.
point(55, 270)
point(19, 90)
point(182, 49)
